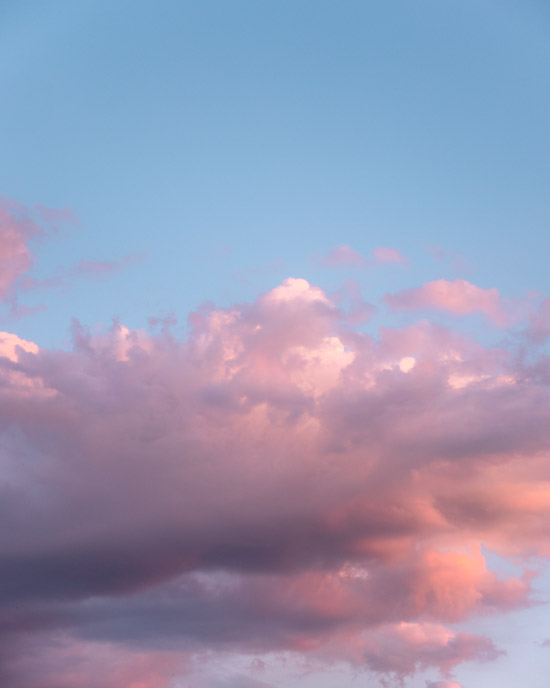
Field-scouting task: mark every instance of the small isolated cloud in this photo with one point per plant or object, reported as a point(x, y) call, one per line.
point(388, 255)
point(344, 255)
point(443, 684)
point(458, 297)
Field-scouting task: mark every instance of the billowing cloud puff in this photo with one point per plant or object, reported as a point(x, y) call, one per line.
point(276, 482)
point(458, 297)
point(11, 345)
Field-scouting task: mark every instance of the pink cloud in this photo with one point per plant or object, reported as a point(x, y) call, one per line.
point(458, 297)
point(359, 310)
point(16, 228)
point(344, 255)
point(59, 661)
point(388, 255)
point(404, 648)
point(276, 482)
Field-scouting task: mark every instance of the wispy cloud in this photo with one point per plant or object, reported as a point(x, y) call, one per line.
point(345, 256)
point(95, 269)
point(18, 227)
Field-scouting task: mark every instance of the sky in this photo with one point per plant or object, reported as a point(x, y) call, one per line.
point(274, 344)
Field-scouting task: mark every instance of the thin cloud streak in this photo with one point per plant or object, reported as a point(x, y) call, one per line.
point(345, 256)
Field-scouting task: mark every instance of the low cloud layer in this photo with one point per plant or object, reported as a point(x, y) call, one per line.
point(278, 481)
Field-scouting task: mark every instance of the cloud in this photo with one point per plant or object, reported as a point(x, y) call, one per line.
point(455, 259)
point(402, 649)
point(54, 217)
point(458, 297)
point(276, 482)
point(11, 344)
point(59, 661)
point(16, 228)
point(538, 329)
point(235, 681)
point(384, 254)
point(66, 276)
point(344, 255)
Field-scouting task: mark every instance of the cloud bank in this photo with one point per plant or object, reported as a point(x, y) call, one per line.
point(279, 481)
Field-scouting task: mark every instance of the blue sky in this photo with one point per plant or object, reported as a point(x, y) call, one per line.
point(230, 141)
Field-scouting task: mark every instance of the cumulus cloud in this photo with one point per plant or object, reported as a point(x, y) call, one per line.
point(275, 482)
